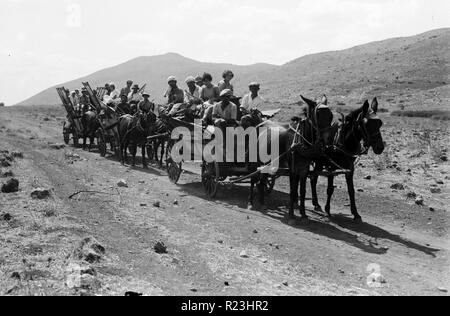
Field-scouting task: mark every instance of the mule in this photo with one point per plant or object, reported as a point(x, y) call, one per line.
point(362, 125)
point(133, 132)
point(90, 124)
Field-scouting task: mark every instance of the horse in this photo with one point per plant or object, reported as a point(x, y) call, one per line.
point(90, 124)
point(133, 132)
point(364, 125)
point(299, 142)
point(110, 121)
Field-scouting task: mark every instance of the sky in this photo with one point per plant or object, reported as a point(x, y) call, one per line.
point(47, 42)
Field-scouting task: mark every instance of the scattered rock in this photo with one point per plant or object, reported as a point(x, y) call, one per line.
point(436, 190)
point(411, 195)
point(432, 209)
point(255, 231)
point(11, 186)
point(175, 202)
point(226, 283)
point(17, 154)
point(360, 190)
point(160, 248)
point(7, 174)
point(442, 289)
point(5, 163)
point(157, 204)
point(6, 217)
point(398, 186)
point(57, 146)
point(285, 283)
point(133, 294)
point(243, 254)
point(41, 194)
point(122, 184)
point(368, 178)
point(89, 250)
point(264, 260)
point(419, 201)
point(16, 275)
point(444, 158)
point(220, 242)
point(143, 204)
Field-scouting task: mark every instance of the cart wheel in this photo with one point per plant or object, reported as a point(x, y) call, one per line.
point(210, 178)
point(174, 171)
point(66, 136)
point(101, 143)
point(270, 184)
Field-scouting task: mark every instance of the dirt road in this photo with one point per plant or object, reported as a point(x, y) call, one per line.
point(213, 247)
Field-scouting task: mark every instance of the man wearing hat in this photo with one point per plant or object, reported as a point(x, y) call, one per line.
point(85, 101)
point(134, 97)
point(126, 91)
point(145, 105)
point(174, 94)
point(192, 94)
point(225, 111)
point(199, 81)
point(252, 100)
point(123, 107)
point(114, 94)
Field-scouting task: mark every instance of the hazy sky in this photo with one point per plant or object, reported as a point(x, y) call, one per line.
point(46, 42)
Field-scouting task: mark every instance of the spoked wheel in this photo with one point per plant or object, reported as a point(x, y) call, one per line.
point(101, 141)
point(66, 135)
point(210, 178)
point(270, 184)
point(174, 169)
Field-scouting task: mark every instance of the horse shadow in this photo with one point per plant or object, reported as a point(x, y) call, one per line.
point(153, 168)
point(338, 227)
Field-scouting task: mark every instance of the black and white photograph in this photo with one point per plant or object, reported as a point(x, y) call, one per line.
point(224, 155)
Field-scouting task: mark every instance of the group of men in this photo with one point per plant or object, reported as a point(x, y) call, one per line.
point(215, 104)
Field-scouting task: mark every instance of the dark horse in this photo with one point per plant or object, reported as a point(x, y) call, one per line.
point(299, 143)
point(133, 132)
point(360, 125)
point(90, 124)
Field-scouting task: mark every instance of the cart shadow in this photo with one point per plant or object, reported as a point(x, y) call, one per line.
point(339, 227)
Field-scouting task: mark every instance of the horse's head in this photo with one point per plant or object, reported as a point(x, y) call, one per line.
point(321, 117)
point(368, 124)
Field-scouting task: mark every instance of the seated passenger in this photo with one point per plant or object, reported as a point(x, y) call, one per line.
point(225, 111)
point(123, 107)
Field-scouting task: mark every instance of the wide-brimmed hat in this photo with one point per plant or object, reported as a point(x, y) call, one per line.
point(227, 93)
point(254, 84)
point(145, 94)
point(190, 79)
point(171, 79)
point(136, 87)
point(130, 81)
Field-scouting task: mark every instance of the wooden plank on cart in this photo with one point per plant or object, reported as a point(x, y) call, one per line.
point(101, 92)
point(94, 98)
point(67, 103)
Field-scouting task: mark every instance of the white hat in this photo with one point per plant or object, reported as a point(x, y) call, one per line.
point(190, 79)
point(226, 93)
point(171, 78)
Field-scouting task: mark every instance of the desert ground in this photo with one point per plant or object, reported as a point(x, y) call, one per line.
point(91, 236)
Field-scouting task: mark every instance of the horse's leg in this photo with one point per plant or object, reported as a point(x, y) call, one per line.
point(133, 151)
point(303, 180)
point(315, 199)
point(125, 154)
point(351, 193)
point(262, 191)
point(144, 161)
point(330, 192)
point(250, 204)
point(91, 141)
point(293, 181)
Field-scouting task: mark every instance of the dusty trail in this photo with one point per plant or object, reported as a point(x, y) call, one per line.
point(220, 247)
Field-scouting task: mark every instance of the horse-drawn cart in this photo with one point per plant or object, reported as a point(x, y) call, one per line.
point(107, 118)
point(72, 126)
point(213, 174)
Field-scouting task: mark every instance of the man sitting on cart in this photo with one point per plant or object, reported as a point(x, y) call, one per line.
point(134, 97)
point(146, 105)
point(85, 101)
point(225, 112)
point(175, 97)
point(123, 107)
